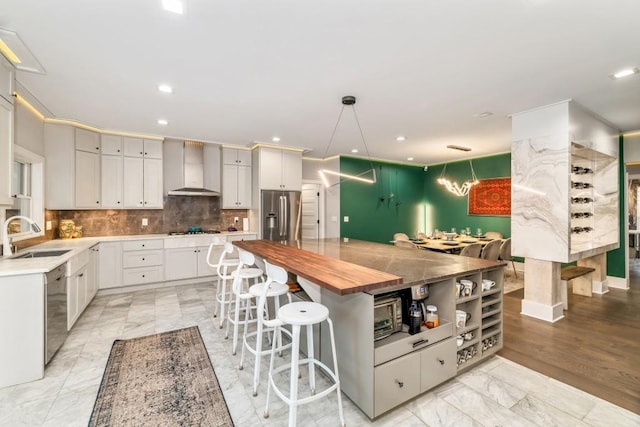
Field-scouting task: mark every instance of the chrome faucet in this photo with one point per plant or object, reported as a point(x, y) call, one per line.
point(6, 241)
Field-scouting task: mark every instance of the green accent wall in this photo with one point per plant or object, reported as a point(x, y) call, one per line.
point(371, 218)
point(616, 259)
point(448, 210)
point(424, 205)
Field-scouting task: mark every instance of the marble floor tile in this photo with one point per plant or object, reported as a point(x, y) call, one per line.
point(497, 392)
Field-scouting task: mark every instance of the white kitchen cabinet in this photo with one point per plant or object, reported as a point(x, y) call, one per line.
point(143, 179)
point(236, 187)
point(138, 147)
point(6, 150)
point(59, 152)
point(7, 73)
point(142, 261)
point(111, 144)
point(180, 263)
point(280, 169)
point(87, 179)
point(86, 140)
point(80, 289)
point(92, 273)
point(236, 156)
point(110, 265)
point(112, 182)
point(204, 269)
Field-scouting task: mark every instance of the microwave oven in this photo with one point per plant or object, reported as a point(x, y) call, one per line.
point(387, 316)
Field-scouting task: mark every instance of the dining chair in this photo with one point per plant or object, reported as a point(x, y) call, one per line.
point(422, 235)
point(493, 235)
point(400, 236)
point(405, 244)
point(505, 254)
point(491, 251)
point(472, 251)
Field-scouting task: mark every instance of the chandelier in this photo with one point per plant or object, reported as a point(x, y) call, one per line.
point(453, 187)
point(362, 177)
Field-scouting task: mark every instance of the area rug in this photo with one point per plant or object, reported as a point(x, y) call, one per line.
point(160, 380)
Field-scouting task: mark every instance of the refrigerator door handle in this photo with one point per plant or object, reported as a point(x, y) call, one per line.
point(285, 212)
point(282, 222)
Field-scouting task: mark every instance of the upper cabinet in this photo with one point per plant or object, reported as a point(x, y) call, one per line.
point(87, 169)
point(279, 169)
point(236, 178)
point(111, 171)
point(564, 172)
point(142, 173)
point(6, 129)
point(137, 147)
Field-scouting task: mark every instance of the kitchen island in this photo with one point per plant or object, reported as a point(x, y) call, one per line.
point(349, 277)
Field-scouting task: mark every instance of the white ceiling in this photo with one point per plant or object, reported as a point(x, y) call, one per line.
point(245, 71)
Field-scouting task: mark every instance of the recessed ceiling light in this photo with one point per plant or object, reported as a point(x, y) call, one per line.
point(275, 139)
point(355, 150)
point(483, 114)
point(163, 122)
point(165, 88)
point(401, 138)
point(624, 73)
point(174, 6)
point(410, 158)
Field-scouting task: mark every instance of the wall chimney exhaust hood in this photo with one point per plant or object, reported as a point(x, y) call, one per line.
point(184, 169)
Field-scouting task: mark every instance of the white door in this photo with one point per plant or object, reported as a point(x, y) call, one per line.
point(311, 211)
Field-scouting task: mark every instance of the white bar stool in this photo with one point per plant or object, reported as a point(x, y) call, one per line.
point(274, 287)
point(223, 295)
point(299, 314)
point(243, 298)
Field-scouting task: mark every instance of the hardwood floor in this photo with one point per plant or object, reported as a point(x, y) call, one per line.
point(595, 348)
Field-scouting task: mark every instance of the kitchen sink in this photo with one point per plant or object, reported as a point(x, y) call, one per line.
point(40, 254)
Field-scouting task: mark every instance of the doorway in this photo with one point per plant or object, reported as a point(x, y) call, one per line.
point(312, 211)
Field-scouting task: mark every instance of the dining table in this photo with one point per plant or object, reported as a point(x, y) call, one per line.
point(449, 246)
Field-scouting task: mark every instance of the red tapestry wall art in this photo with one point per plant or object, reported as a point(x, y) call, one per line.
point(491, 197)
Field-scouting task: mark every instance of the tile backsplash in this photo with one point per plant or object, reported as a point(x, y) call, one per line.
point(179, 213)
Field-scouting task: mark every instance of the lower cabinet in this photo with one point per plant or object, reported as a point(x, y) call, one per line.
point(186, 263)
point(81, 283)
point(110, 265)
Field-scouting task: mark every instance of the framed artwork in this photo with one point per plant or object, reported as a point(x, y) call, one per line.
point(491, 197)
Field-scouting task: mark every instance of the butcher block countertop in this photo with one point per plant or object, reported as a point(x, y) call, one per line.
point(347, 266)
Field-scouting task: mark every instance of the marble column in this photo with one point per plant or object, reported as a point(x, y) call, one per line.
point(542, 296)
point(599, 283)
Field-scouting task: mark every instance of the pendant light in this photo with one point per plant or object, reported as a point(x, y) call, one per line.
point(454, 187)
point(368, 176)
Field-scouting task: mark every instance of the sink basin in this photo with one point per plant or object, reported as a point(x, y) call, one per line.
point(41, 254)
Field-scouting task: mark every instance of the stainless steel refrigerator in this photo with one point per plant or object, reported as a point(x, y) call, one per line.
point(281, 212)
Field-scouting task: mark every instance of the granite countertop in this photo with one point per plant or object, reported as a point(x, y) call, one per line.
point(315, 260)
point(21, 266)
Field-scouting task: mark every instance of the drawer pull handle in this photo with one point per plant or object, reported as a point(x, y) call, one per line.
point(143, 259)
point(143, 275)
point(81, 274)
point(441, 361)
point(400, 383)
point(419, 343)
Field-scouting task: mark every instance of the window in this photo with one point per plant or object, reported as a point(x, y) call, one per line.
point(27, 188)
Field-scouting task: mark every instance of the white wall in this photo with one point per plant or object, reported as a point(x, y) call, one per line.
point(310, 168)
point(632, 148)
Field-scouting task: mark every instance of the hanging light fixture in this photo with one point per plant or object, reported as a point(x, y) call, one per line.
point(348, 100)
point(453, 187)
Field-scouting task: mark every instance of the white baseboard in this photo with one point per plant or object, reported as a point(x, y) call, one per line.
point(548, 313)
point(618, 282)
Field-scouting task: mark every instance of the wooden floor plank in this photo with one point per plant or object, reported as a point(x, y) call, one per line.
point(595, 348)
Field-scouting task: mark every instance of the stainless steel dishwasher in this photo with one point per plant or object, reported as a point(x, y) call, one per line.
point(56, 311)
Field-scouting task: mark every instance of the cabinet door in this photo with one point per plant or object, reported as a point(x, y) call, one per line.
point(203, 267)
point(87, 140)
point(6, 79)
point(87, 180)
point(110, 265)
point(152, 149)
point(244, 157)
point(59, 152)
point(112, 186)
point(244, 187)
point(291, 170)
point(152, 183)
point(396, 382)
point(132, 147)
point(92, 274)
point(72, 300)
point(229, 156)
point(270, 169)
point(111, 144)
point(6, 151)
point(230, 186)
point(180, 263)
point(134, 177)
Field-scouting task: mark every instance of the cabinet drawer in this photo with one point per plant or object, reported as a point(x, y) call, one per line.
point(437, 364)
point(142, 258)
point(396, 382)
point(408, 343)
point(136, 245)
point(140, 275)
point(238, 237)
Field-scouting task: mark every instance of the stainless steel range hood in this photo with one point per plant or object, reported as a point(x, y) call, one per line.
point(184, 169)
